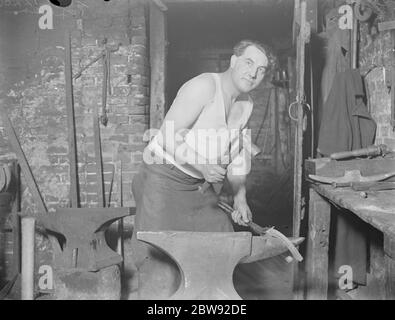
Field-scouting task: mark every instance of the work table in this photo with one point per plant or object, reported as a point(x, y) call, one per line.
point(377, 209)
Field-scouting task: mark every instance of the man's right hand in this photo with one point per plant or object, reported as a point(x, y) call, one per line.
point(212, 173)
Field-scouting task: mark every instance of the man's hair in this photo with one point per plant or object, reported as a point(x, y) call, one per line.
point(242, 45)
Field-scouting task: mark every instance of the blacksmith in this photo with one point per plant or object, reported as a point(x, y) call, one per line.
point(188, 150)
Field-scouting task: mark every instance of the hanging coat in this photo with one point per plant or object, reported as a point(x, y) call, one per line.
point(347, 125)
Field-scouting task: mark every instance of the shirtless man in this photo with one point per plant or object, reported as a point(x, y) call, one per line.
point(167, 195)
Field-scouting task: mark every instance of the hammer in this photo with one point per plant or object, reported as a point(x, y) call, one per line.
point(254, 152)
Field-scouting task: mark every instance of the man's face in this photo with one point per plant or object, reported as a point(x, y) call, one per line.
point(248, 69)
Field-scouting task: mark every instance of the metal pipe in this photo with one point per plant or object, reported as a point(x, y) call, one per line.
point(27, 275)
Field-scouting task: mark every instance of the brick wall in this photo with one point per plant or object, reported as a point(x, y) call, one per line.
point(32, 89)
point(37, 108)
point(376, 51)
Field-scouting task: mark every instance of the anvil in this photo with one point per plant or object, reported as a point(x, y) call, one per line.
point(85, 247)
point(206, 260)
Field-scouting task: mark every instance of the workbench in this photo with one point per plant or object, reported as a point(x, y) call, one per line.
point(377, 210)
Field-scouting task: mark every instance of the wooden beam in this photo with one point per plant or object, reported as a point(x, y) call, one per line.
point(298, 159)
point(298, 208)
point(317, 247)
point(158, 54)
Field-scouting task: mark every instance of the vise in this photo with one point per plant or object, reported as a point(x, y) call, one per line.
point(84, 247)
point(206, 260)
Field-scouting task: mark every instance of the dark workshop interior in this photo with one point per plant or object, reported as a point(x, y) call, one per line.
point(80, 89)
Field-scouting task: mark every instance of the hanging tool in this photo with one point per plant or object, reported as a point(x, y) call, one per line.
point(371, 151)
point(72, 140)
point(106, 88)
point(102, 55)
point(106, 84)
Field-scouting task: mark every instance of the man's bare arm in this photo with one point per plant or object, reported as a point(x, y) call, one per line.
point(186, 108)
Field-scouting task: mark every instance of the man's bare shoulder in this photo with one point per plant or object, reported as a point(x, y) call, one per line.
point(202, 86)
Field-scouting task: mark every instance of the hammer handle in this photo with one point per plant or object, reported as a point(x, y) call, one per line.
point(369, 151)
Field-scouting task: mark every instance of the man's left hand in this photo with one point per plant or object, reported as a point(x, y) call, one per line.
point(242, 213)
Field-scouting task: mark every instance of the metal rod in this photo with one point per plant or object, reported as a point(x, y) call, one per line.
point(72, 140)
point(16, 146)
point(99, 159)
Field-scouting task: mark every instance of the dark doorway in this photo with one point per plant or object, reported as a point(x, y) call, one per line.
point(201, 37)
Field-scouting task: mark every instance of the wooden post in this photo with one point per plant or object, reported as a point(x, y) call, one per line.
point(317, 247)
point(390, 26)
point(389, 260)
point(158, 53)
point(27, 275)
point(302, 39)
